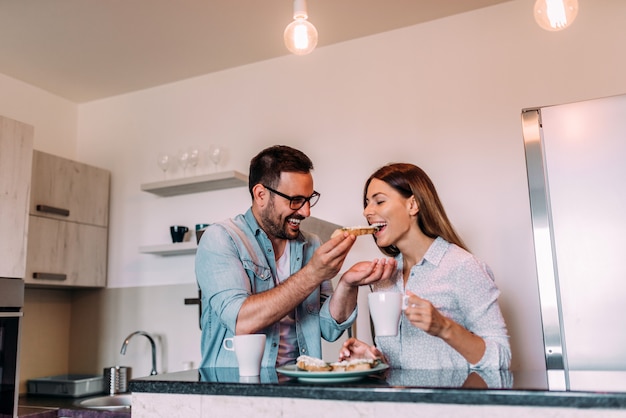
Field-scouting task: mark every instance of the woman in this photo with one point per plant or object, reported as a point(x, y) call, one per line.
point(452, 319)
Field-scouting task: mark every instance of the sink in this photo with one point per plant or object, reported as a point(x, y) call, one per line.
point(115, 402)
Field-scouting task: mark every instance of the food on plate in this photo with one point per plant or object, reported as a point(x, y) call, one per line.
point(358, 230)
point(339, 366)
point(313, 364)
point(361, 364)
point(354, 365)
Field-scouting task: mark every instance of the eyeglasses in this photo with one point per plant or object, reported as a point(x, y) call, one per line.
point(296, 202)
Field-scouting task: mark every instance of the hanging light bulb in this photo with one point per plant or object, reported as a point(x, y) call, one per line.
point(554, 15)
point(300, 35)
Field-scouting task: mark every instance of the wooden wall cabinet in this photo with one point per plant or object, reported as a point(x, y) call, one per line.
point(66, 185)
point(69, 216)
point(16, 150)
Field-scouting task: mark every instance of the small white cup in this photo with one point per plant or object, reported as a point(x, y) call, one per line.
point(385, 310)
point(249, 350)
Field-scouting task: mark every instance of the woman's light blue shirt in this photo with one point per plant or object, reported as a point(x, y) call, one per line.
point(462, 288)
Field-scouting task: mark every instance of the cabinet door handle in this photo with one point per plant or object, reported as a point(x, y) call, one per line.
point(53, 210)
point(50, 276)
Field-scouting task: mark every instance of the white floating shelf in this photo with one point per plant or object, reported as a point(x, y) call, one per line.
point(170, 249)
point(196, 184)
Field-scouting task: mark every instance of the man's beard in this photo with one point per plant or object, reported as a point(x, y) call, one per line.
point(275, 226)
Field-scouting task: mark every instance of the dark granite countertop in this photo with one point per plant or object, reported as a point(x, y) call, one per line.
point(393, 385)
point(42, 406)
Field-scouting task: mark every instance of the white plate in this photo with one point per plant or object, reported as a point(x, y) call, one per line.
point(292, 370)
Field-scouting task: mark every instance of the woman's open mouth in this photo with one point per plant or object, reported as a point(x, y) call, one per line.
point(379, 226)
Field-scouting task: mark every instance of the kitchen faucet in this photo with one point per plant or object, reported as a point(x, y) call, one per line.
point(145, 334)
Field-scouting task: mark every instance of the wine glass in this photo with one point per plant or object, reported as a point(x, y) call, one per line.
point(215, 155)
point(163, 161)
point(194, 155)
point(183, 160)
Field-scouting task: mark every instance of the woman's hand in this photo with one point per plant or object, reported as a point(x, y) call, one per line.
point(423, 315)
point(367, 272)
point(344, 298)
point(356, 349)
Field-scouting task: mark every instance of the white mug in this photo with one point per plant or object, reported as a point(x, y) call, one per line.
point(249, 350)
point(385, 310)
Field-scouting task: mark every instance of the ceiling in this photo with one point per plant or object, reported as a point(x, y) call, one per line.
point(85, 50)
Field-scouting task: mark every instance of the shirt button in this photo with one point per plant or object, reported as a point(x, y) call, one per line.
point(274, 345)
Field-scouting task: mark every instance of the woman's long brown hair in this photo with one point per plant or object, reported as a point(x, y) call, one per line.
point(410, 180)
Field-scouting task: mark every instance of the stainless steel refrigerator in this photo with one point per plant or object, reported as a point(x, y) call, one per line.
point(576, 165)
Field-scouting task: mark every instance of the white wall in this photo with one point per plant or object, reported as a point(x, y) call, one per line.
point(54, 118)
point(445, 95)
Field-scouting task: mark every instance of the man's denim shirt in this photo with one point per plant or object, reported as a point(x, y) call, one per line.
point(235, 259)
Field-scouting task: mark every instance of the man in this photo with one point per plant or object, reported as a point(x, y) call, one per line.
point(259, 273)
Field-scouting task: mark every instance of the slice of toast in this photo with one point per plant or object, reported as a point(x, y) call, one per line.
point(358, 230)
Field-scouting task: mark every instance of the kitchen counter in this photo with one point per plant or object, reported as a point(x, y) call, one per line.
point(436, 387)
point(41, 406)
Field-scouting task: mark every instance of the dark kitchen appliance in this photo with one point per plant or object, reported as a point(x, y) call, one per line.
point(11, 303)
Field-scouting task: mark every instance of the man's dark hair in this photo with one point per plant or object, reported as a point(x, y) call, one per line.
point(267, 166)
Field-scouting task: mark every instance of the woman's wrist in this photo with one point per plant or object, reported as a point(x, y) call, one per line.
point(447, 331)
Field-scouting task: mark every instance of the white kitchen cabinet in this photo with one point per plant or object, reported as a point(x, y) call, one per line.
point(16, 150)
point(68, 231)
